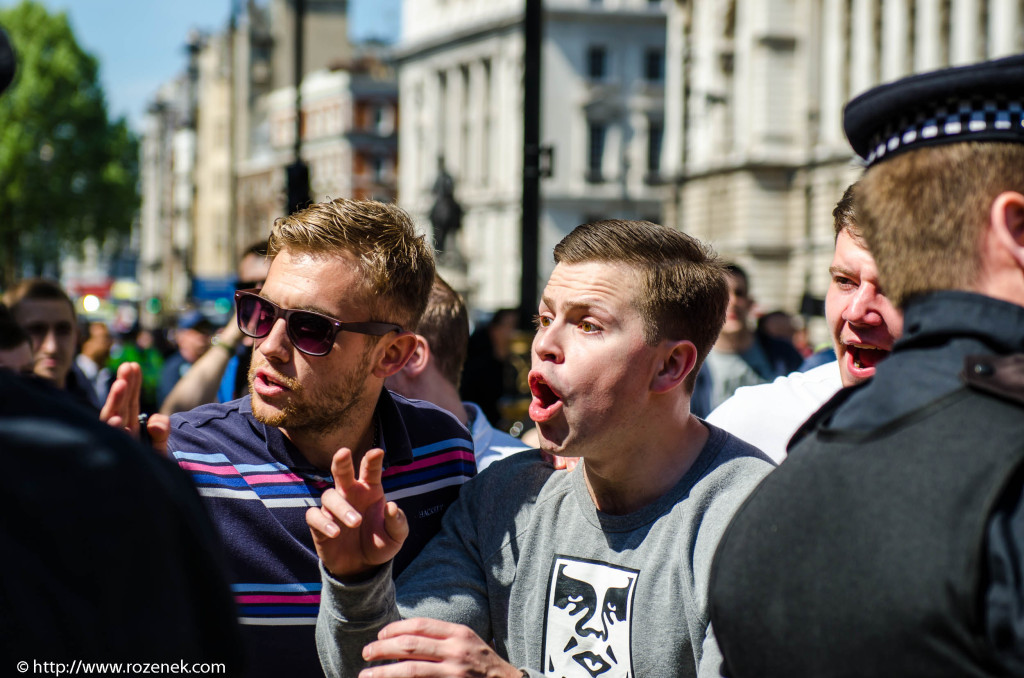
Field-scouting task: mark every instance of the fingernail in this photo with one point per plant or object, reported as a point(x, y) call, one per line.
point(352, 518)
point(332, 530)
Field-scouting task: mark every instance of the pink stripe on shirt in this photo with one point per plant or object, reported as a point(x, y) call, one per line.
point(464, 455)
point(206, 468)
point(250, 600)
point(272, 478)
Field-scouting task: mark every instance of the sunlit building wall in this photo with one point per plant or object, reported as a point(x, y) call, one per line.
point(461, 87)
point(754, 97)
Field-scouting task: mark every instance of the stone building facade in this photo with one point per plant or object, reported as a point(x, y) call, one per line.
point(461, 87)
point(755, 91)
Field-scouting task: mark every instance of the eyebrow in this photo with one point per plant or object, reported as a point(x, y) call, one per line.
point(843, 270)
point(574, 304)
point(304, 307)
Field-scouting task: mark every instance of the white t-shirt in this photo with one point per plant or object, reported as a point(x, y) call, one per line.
point(767, 416)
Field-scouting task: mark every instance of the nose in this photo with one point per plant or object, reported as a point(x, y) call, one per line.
point(276, 345)
point(863, 307)
point(48, 341)
point(546, 345)
point(592, 624)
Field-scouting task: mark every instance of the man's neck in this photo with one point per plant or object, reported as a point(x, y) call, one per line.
point(319, 447)
point(738, 341)
point(635, 477)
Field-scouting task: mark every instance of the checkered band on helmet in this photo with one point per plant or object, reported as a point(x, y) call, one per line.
point(964, 120)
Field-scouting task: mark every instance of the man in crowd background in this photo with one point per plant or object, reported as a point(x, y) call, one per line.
point(45, 311)
point(742, 357)
point(863, 325)
point(435, 367)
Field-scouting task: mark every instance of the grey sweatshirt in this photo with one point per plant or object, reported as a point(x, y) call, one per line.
point(526, 559)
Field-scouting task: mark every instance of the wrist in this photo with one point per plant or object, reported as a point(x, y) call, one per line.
point(224, 344)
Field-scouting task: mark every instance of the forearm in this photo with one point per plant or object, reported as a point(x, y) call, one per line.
point(351, 615)
point(199, 385)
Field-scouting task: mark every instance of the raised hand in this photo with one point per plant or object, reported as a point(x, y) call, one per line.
point(121, 410)
point(434, 649)
point(356, 529)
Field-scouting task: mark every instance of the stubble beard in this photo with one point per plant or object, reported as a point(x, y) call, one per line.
point(316, 412)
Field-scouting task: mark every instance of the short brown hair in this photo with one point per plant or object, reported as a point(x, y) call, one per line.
point(32, 289)
point(397, 264)
point(844, 215)
point(923, 213)
point(445, 326)
point(683, 288)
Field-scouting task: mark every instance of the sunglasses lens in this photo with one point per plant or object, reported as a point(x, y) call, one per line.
point(255, 316)
point(310, 333)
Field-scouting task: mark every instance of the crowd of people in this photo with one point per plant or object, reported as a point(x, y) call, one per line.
point(705, 499)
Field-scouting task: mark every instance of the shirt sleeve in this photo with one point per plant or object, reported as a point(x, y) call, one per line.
point(1004, 594)
point(350, 617)
point(444, 582)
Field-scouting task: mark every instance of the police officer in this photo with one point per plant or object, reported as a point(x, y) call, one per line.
point(891, 541)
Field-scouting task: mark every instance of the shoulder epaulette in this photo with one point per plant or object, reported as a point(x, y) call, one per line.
point(998, 375)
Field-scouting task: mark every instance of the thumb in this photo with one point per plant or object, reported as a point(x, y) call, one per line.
point(395, 523)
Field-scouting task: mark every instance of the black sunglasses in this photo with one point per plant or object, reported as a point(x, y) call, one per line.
point(310, 332)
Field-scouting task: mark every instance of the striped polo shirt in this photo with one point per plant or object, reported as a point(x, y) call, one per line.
point(257, 487)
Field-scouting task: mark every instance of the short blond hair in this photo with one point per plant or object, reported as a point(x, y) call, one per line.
point(396, 263)
point(923, 213)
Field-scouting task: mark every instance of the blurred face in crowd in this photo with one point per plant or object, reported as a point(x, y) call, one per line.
point(740, 303)
point(863, 322)
point(17, 359)
point(252, 271)
point(50, 324)
point(192, 343)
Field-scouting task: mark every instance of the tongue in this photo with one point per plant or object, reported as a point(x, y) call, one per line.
point(869, 357)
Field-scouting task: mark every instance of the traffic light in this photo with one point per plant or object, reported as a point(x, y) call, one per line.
point(298, 186)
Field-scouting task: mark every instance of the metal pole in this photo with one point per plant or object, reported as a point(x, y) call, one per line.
point(532, 33)
point(297, 174)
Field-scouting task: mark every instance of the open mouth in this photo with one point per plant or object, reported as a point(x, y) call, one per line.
point(546, 401)
point(865, 356)
point(266, 383)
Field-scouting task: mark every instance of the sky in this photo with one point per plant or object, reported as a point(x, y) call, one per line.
point(140, 44)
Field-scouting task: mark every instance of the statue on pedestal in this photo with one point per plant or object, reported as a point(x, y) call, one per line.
point(446, 214)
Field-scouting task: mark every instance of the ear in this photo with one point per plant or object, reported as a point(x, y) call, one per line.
point(677, 363)
point(397, 352)
point(1006, 220)
point(419, 359)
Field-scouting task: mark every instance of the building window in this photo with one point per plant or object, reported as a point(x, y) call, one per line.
point(654, 65)
point(655, 132)
point(597, 58)
point(595, 151)
point(377, 168)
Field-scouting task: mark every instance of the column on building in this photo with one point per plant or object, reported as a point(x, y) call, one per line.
point(1004, 28)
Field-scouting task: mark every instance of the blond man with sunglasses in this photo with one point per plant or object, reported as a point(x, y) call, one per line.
point(347, 285)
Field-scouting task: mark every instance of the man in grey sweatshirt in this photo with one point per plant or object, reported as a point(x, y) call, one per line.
point(601, 571)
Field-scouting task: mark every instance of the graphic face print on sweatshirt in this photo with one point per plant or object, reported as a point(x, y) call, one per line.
point(588, 624)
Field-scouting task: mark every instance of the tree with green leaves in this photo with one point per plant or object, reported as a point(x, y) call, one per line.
point(67, 172)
